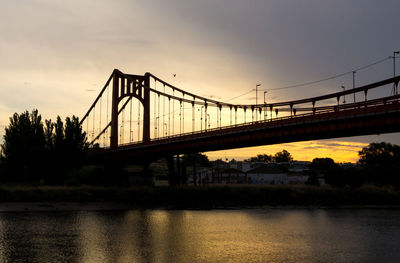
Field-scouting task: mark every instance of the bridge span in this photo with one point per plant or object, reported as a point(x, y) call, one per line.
point(215, 125)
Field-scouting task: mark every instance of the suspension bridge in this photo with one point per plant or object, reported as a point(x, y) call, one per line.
point(143, 118)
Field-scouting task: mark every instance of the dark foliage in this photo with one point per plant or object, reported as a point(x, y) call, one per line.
point(381, 163)
point(24, 146)
point(335, 176)
point(283, 156)
point(322, 164)
point(207, 197)
point(340, 176)
point(313, 180)
point(35, 152)
point(261, 158)
point(380, 154)
point(199, 158)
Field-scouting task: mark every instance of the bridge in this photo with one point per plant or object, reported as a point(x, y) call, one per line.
point(143, 118)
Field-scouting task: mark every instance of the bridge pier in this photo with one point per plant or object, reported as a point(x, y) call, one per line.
point(172, 175)
point(176, 177)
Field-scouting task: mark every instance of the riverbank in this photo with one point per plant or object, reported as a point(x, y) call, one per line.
point(209, 197)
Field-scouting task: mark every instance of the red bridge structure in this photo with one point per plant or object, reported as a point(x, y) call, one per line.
point(143, 118)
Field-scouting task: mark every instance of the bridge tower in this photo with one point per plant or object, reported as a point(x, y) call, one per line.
point(135, 86)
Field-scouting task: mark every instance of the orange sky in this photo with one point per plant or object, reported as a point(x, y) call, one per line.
point(339, 151)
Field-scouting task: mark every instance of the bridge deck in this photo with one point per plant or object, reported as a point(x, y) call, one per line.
point(364, 118)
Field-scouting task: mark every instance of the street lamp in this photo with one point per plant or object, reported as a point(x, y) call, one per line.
point(258, 85)
point(394, 62)
point(156, 127)
point(354, 85)
point(394, 70)
point(265, 107)
point(344, 96)
point(201, 118)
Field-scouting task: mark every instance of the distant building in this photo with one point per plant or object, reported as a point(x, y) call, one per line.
point(266, 175)
point(234, 164)
point(245, 166)
point(348, 165)
point(219, 164)
point(229, 176)
point(202, 176)
point(297, 179)
point(298, 168)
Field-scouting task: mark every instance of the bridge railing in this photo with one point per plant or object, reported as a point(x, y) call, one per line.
point(343, 110)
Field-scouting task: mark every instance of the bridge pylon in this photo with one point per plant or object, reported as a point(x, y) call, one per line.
point(136, 86)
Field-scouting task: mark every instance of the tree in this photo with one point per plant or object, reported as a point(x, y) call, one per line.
point(66, 148)
point(341, 176)
point(322, 164)
point(261, 158)
point(335, 176)
point(379, 154)
point(24, 145)
point(33, 151)
point(198, 158)
point(283, 156)
point(48, 134)
point(381, 163)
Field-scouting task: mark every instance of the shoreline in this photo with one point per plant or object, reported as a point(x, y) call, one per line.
point(90, 198)
point(109, 207)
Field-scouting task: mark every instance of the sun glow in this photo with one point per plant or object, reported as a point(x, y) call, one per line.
point(340, 151)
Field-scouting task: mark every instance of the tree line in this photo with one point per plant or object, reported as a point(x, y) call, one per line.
point(279, 157)
point(52, 152)
point(41, 151)
point(378, 164)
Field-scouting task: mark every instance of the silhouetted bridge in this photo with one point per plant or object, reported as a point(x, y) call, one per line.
point(143, 118)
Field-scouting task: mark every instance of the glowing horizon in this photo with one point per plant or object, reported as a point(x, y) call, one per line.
point(339, 151)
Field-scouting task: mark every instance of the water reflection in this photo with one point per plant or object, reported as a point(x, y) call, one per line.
point(37, 237)
point(268, 235)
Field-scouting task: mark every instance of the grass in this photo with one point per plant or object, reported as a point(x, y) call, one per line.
point(207, 197)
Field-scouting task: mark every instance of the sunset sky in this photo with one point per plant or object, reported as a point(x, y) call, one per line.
point(56, 55)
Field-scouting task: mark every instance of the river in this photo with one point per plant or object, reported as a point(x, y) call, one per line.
point(244, 235)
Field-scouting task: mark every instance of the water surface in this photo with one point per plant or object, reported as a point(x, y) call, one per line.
point(249, 235)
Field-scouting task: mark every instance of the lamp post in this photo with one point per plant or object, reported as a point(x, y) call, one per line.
point(354, 85)
point(265, 107)
point(344, 96)
point(156, 127)
point(258, 85)
point(394, 62)
point(201, 118)
point(394, 71)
